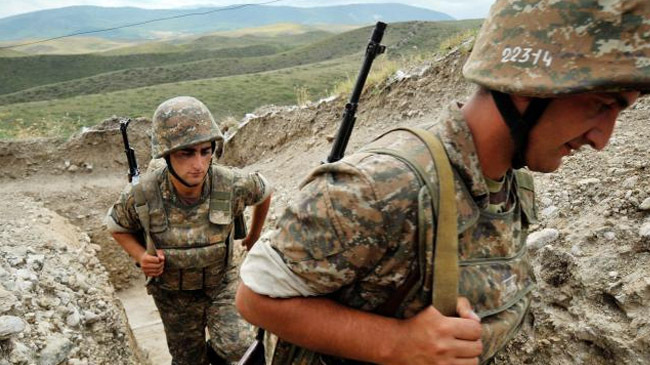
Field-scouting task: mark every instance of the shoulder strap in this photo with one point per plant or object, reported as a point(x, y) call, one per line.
point(445, 265)
point(221, 209)
point(142, 208)
point(525, 187)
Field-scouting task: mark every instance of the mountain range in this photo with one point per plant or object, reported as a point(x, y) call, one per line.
point(89, 19)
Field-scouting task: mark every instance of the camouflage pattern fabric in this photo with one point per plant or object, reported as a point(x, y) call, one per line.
point(195, 248)
point(212, 308)
point(546, 48)
point(199, 268)
point(192, 237)
point(500, 194)
point(182, 122)
point(351, 234)
point(248, 189)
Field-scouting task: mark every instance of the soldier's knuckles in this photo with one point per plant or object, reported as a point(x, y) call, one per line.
point(440, 350)
point(478, 329)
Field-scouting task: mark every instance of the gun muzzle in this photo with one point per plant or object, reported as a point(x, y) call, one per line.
point(378, 33)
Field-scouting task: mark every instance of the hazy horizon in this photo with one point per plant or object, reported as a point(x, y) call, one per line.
point(459, 9)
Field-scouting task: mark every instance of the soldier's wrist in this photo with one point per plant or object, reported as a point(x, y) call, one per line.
point(138, 259)
point(389, 352)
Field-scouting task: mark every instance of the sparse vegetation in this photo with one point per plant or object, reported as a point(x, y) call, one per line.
point(302, 95)
point(457, 39)
point(229, 124)
point(382, 68)
point(51, 70)
point(225, 96)
point(232, 81)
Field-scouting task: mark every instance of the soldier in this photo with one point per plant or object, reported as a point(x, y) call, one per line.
point(191, 206)
point(553, 76)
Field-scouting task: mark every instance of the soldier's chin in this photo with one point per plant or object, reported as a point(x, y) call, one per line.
point(545, 166)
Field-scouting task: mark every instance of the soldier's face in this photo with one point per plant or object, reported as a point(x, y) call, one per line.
point(192, 163)
point(572, 122)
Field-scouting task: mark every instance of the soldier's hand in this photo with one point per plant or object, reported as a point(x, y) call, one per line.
point(152, 266)
point(431, 338)
point(464, 310)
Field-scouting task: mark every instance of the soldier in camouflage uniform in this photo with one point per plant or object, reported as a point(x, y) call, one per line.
point(191, 204)
point(553, 76)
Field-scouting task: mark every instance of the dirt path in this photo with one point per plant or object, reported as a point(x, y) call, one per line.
point(145, 322)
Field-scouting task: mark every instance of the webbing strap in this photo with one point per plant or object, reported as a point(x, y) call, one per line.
point(519, 125)
point(142, 208)
point(445, 264)
point(221, 195)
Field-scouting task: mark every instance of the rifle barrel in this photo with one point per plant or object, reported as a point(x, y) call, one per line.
point(134, 172)
point(373, 49)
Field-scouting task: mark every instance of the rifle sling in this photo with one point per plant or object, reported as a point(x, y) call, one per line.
point(142, 208)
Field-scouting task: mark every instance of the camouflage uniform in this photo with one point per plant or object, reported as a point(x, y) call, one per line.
point(204, 295)
point(198, 283)
point(352, 235)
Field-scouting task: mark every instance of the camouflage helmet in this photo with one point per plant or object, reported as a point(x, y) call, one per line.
point(546, 48)
point(182, 122)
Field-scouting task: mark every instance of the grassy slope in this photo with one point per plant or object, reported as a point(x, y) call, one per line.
point(210, 68)
point(34, 71)
point(226, 97)
point(221, 40)
point(403, 38)
point(298, 34)
point(10, 53)
point(230, 96)
point(423, 37)
point(69, 46)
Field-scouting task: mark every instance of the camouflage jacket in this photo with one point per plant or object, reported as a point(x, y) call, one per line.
point(194, 238)
point(352, 235)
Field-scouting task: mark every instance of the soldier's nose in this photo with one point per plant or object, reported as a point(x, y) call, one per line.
point(599, 136)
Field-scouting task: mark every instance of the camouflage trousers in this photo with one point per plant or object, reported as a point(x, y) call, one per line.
point(186, 314)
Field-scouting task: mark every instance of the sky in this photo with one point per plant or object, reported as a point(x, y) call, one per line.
point(459, 9)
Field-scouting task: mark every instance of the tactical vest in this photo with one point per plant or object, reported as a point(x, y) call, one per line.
point(195, 239)
point(495, 273)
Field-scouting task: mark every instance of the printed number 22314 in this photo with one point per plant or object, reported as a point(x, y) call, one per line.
point(526, 55)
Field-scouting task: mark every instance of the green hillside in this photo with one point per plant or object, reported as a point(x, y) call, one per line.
point(70, 46)
point(226, 97)
point(215, 67)
point(221, 40)
point(27, 72)
point(402, 39)
point(10, 53)
point(276, 34)
point(236, 81)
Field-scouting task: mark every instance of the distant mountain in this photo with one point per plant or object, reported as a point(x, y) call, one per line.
point(62, 21)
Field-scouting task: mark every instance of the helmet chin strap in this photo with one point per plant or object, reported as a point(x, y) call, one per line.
point(173, 172)
point(519, 125)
